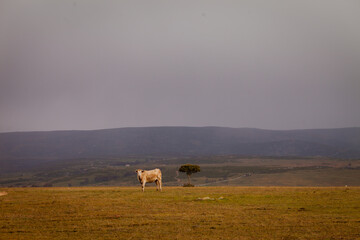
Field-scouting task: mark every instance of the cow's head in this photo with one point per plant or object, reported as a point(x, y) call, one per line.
point(139, 171)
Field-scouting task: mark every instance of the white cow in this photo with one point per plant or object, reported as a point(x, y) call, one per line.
point(149, 176)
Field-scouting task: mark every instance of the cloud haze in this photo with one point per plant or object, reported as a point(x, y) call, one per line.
point(106, 64)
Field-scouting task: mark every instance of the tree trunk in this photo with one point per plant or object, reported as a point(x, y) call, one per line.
point(189, 180)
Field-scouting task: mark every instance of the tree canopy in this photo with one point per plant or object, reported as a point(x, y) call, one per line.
point(189, 169)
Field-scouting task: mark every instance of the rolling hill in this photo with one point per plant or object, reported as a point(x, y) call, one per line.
point(179, 141)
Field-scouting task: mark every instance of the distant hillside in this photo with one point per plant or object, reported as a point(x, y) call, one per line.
point(54, 145)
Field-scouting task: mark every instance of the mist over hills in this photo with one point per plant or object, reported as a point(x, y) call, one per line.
point(179, 141)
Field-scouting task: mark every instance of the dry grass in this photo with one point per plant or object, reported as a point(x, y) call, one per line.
point(176, 213)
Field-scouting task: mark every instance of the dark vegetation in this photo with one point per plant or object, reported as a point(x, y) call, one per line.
point(189, 169)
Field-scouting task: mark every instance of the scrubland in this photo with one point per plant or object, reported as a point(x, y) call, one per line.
point(215, 171)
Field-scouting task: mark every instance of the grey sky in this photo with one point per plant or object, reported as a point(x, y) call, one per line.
point(106, 64)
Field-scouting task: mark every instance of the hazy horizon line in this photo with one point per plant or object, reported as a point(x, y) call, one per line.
point(173, 126)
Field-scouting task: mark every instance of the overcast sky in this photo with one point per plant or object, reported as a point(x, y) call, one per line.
point(242, 63)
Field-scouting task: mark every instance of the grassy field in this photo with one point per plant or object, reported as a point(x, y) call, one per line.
point(180, 213)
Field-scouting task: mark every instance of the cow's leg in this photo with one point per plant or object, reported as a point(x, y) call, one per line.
point(143, 185)
point(157, 185)
point(159, 181)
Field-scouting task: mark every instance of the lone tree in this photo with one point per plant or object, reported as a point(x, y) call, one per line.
point(189, 169)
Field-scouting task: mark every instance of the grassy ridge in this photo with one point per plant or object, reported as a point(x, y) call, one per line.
point(176, 213)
